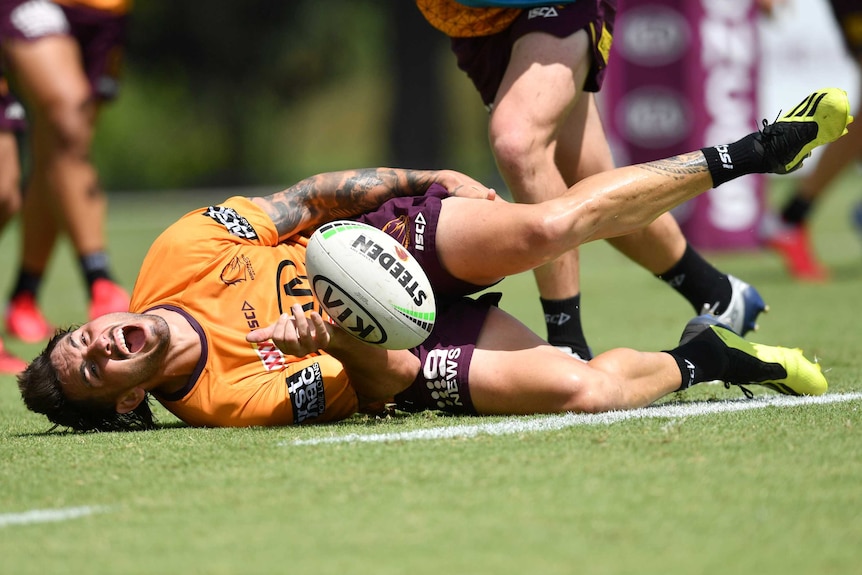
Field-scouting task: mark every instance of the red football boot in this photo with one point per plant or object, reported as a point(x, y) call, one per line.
point(794, 247)
point(107, 297)
point(9, 364)
point(24, 320)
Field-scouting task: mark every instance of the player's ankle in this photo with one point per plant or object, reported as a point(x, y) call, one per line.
point(730, 161)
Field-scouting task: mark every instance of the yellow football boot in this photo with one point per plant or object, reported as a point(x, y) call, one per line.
point(820, 118)
point(781, 369)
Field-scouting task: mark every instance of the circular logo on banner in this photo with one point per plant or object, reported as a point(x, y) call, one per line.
point(653, 35)
point(654, 118)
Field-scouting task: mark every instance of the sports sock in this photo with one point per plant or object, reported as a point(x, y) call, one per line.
point(27, 282)
point(699, 282)
point(731, 161)
point(563, 321)
point(796, 211)
point(94, 266)
point(701, 359)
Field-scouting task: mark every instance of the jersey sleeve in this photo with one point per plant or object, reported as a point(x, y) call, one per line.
point(183, 252)
point(313, 390)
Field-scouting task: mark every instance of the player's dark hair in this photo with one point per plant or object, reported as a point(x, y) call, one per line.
point(42, 392)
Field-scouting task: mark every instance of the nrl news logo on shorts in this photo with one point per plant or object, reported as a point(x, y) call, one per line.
point(441, 377)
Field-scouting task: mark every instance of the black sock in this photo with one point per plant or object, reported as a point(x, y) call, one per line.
point(796, 211)
point(706, 357)
point(699, 282)
point(94, 266)
point(701, 359)
point(27, 282)
point(563, 321)
point(731, 161)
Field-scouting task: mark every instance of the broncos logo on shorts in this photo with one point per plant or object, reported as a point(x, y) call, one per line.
point(398, 229)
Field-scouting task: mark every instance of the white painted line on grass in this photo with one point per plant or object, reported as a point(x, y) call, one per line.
point(554, 422)
point(48, 515)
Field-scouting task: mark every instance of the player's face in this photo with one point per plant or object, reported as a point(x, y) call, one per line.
point(111, 354)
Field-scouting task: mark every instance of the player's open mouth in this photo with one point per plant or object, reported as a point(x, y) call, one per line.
point(131, 339)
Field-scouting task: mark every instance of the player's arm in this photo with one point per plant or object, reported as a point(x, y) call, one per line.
point(339, 195)
point(375, 373)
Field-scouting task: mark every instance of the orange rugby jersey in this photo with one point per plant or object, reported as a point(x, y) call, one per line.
point(459, 21)
point(223, 268)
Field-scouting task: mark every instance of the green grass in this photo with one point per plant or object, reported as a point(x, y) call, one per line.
point(774, 490)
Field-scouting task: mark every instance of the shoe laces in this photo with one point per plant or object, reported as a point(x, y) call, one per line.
point(769, 132)
point(767, 124)
point(774, 139)
point(766, 137)
point(745, 391)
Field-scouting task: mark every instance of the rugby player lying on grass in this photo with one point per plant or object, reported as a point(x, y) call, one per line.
point(227, 333)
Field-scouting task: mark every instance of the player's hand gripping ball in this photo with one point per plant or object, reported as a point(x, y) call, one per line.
point(370, 285)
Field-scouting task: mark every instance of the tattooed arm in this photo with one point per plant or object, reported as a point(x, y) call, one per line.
point(338, 195)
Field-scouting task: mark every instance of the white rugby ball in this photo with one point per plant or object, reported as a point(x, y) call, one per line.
point(370, 285)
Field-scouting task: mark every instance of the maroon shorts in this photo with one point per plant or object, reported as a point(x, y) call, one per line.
point(101, 36)
point(413, 222)
point(443, 383)
point(486, 58)
point(848, 13)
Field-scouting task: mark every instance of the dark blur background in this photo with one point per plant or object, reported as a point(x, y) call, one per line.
point(259, 92)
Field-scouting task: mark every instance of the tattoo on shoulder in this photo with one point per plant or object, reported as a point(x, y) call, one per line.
point(340, 195)
point(678, 166)
point(285, 208)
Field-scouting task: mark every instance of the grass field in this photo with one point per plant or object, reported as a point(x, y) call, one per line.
point(704, 489)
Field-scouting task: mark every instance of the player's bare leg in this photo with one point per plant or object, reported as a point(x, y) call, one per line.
point(10, 204)
point(602, 206)
point(546, 139)
point(524, 129)
point(10, 176)
point(621, 201)
point(514, 372)
point(62, 112)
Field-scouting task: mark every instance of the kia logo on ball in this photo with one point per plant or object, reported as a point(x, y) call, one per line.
point(348, 313)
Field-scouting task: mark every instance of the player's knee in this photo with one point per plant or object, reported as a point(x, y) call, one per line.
point(584, 400)
point(547, 231)
point(587, 394)
point(70, 124)
point(514, 147)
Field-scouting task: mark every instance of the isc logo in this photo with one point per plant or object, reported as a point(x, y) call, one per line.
point(724, 156)
point(348, 313)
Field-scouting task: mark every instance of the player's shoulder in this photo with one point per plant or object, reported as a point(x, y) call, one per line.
point(236, 219)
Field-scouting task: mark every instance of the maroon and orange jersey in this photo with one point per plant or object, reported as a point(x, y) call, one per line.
point(459, 21)
point(224, 269)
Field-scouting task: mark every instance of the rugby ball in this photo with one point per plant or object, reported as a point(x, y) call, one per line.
point(370, 285)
